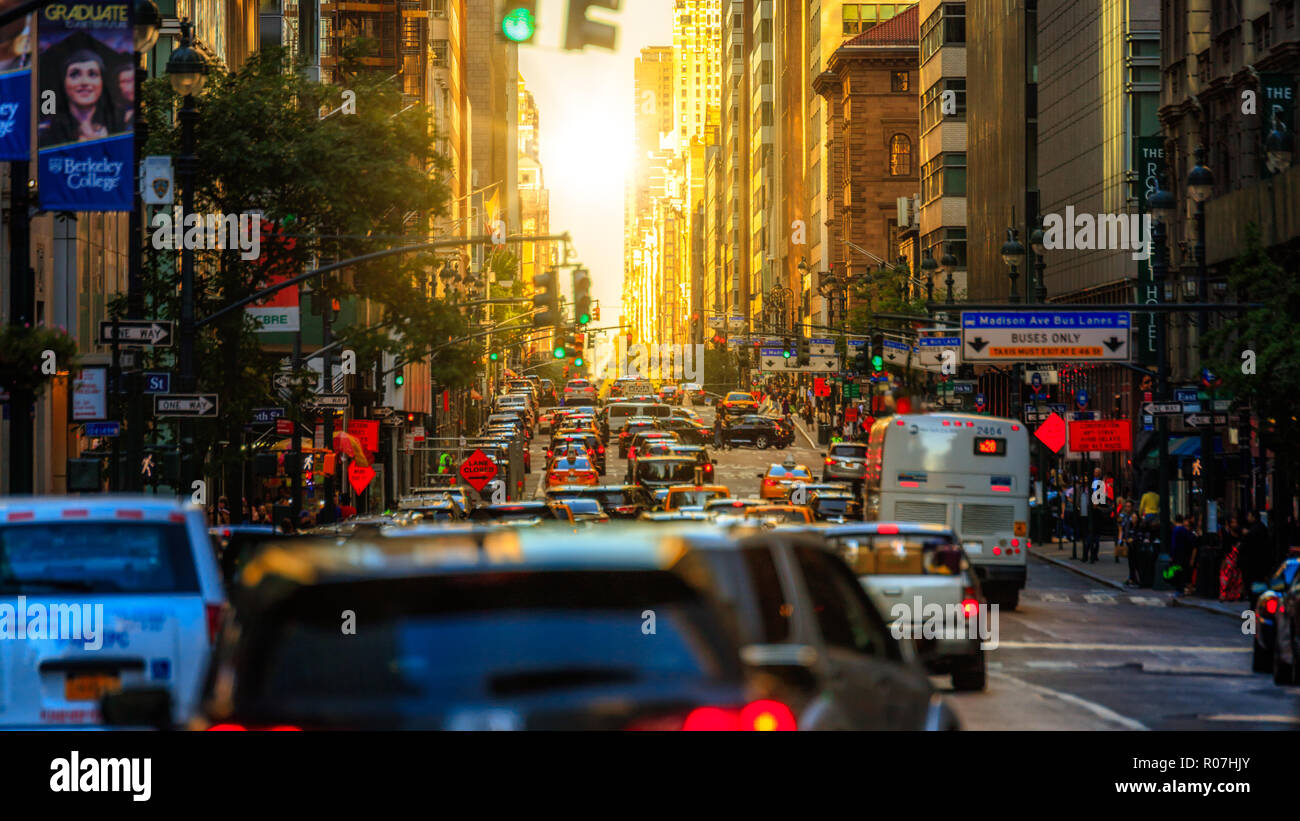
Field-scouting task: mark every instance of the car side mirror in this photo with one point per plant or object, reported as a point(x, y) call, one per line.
point(1258, 587)
point(759, 475)
point(138, 707)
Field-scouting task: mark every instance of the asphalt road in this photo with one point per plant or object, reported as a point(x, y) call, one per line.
point(1077, 655)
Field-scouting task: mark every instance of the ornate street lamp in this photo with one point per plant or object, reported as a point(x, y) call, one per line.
point(1013, 254)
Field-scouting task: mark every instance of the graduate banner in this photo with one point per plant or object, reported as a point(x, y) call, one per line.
point(16, 86)
point(85, 133)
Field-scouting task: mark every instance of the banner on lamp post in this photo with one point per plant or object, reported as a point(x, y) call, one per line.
point(16, 86)
point(85, 130)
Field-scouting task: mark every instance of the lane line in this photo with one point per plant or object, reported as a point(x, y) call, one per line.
point(1262, 718)
point(1136, 648)
point(1104, 713)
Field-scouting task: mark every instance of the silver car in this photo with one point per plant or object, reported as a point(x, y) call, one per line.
point(845, 462)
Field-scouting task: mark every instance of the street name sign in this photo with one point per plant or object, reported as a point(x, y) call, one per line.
point(185, 404)
point(157, 382)
point(930, 350)
point(287, 379)
point(137, 332)
point(1162, 408)
point(329, 400)
point(103, 428)
point(265, 416)
point(774, 360)
point(1057, 336)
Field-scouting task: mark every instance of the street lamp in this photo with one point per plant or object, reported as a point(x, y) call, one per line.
point(188, 72)
point(948, 263)
point(1162, 205)
point(1013, 254)
point(1200, 187)
point(929, 266)
point(1038, 243)
point(147, 23)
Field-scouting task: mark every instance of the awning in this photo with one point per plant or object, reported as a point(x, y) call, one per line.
point(1191, 446)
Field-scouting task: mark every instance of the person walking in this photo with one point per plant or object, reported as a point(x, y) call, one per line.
point(1098, 516)
point(1230, 587)
point(1255, 560)
point(719, 432)
point(1181, 548)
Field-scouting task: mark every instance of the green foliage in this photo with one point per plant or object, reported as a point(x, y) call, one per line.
point(23, 354)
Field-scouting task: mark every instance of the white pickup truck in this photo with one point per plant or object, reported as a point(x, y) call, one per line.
point(918, 576)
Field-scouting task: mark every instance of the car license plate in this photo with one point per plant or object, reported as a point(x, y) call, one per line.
point(89, 686)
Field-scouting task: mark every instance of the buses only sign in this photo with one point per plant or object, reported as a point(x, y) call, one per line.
point(478, 470)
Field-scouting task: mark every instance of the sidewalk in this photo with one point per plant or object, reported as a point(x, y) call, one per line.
point(1113, 573)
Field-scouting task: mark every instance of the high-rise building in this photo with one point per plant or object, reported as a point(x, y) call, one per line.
point(943, 148)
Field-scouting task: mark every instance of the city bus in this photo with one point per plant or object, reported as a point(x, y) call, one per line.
point(965, 471)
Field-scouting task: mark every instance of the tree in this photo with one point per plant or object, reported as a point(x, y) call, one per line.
point(340, 186)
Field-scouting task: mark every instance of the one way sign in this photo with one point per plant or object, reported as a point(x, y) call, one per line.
point(185, 404)
point(137, 332)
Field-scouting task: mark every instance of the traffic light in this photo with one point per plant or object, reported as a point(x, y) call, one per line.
point(581, 296)
point(519, 20)
point(494, 356)
point(595, 310)
point(582, 32)
point(399, 380)
point(786, 346)
point(560, 351)
point(805, 351)
point(862, 362)
point(546, 297)
point(877, 352)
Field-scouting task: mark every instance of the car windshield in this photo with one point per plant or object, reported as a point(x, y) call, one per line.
point(739, 397)
point(582, 505)
point(779, 472)
point(785, 515)
point(97, 557)
point(667, 470)
point(571, 462)
point(471, 638)
point(910, 554)
point(693, 498)
point(850, 451)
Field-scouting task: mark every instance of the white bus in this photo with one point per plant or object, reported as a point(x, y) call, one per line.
point(968, 472)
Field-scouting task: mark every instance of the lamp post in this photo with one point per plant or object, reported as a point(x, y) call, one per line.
point(948, 263)
point(147, 23)
point(928, 267)
point(1013, 254)
point(1162, 205)
point(1200, 187)
point(1036, 241)
point(188, 72)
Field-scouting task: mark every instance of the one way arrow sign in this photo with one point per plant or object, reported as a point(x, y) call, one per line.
point(137, 332)
point(979, 343)
point(182, 404)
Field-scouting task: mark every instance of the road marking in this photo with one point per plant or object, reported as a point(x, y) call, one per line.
point(1060, 597)
point(1261, 718)
point(1104, 713)
point(1147, 601)
point(1136, 648)
point(1099, 598)
point(1052, 665)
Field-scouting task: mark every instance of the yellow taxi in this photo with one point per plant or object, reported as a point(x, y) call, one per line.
point(797, 514)
point(680, 496)
point(779, 479)
point(571, 469)
point(738, 403)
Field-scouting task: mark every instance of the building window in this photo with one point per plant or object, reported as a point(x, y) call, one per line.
point(858, 17)
point(941, 242)
point(899, 81)
point(900, 155)
point(438, 52)
point(437, 8)
point(946, 26)
point(944, 176)
point(932, 102)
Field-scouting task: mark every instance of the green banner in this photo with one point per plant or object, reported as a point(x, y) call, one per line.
point(1277, 93)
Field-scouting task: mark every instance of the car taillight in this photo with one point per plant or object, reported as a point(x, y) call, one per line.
point(708, 468)
point(600, 449)
point(761, 715)
point(888, 529)
point(241, 727)
point(625, 509)
point(214, 612)
point(829, 460)
point(770, 483)
point(997, 551)
point(970, 605)
point(1270, 606)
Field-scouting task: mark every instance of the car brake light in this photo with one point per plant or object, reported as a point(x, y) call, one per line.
point(1270, 606)
point(888, 529)
point(829, 460)
point(761, 715)
point(214, 613)
point(770, 482)
point(22, 516)
point(969, 607)
point(130, 514)
point(226, 727)
point(241, 727)
point(1015, 542)
point(600, 449)
point(997, 551)
point(77, 513)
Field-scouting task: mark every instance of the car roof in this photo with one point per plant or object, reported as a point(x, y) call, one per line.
point(904, 529)
point(100, 505)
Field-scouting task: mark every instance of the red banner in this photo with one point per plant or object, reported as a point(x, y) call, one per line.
point(1106, 435)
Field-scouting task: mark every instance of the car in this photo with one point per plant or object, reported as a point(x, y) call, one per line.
point(760, 431)
point(679, 515)
point(1267, 606)
point(129, 594)
point(691, 431)
point(845, 462)
point(618, 501)
point(778, 479)
point(527, 631)
point(571, 470)
point(731, 505)
point(693, 495)
point(547, 395)
point(436, 509)
point(590, 442)
point(1286, 642)
point(669, 394)
point(695, 391)
point(521, 511)
point(903, 564)
point(638, 440)
point(579, 390)
point(782, 513)
point(662, 472)
point(737, 403)
point(235, 542)
point(634, 425)
point(584, 509)
point(835, 506)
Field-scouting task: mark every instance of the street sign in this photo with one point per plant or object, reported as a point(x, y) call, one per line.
point(960, 387)
point(359, 477)
point(931, 351)
point(286, 379)
point(478, 470)
point(895, 352)
point(1056, 407)
point(103, 428)
point(1081, 398)
point(1222, 405)
point(774, 360)
point(1101, 436)
point(185, 404)
point(1052, 433)
point(1162, 408)
point(380, 413)
point(329, 400)
point(284, 427)
point(137, 332)
point(265, 416)
point(1185, 394)
point(1084, 415)
point(979, 401)
point(157, 382)
point(1061, 336)
point(1201, 420)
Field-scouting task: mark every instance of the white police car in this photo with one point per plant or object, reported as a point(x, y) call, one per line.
point(101, 593)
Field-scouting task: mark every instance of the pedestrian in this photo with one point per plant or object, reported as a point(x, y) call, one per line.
point(223, 511)
point(1124, 516)
point(1256, 561)
point(1098, 515)
point(1230, 587)
point(785, 406)
point(1181, 551)
point(1067, 512)
point(286, 526)
point(719, 440)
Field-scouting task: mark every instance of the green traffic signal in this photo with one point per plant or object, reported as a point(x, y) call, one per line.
point(560, 353)
point(519, 25)
point(877, 363)
point(583, 319)
point(494, 356)
point(577, 363)
point(398, 380)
